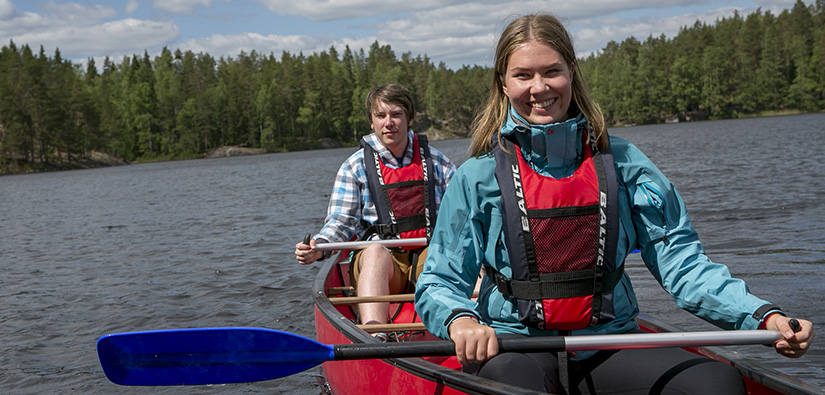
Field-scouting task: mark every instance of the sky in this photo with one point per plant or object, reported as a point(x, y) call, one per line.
point(455, 32)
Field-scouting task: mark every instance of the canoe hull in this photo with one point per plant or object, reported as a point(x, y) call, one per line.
point(335, 325)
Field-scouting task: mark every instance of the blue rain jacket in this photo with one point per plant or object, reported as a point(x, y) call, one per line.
point(469, 233)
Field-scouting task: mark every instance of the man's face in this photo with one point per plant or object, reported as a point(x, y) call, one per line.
point(390, 124)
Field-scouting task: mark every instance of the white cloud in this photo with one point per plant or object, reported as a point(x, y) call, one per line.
point(780, 4)
point(180, 6)
point(7, 10)
point(55, 18)
point(131, 6)
point(324, 10)
point(231, 45)
point(75, 14)
point(82, 30)
point(132, 35)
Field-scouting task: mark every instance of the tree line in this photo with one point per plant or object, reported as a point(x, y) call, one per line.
point(740, 66)
point(184, 104)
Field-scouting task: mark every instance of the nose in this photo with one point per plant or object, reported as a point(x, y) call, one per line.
point(538, 84)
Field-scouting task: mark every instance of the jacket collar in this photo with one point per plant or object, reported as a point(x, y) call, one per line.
point(550, 147)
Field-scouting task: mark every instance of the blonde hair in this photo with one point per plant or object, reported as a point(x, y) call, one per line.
point(549, 30)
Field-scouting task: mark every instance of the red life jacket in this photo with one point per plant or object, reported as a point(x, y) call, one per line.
point(404, 197)
point(561, 239)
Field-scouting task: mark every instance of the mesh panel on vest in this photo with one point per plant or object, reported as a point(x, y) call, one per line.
point(408, 201)
point(561, 252)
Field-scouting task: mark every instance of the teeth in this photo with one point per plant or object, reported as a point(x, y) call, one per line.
point(543, 104)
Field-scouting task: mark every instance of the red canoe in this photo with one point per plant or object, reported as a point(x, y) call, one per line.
point(335, 324)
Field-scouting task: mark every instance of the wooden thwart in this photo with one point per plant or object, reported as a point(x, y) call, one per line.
point(340, 290)
point(397, 298)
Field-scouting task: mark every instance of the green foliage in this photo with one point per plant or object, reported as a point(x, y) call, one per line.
point(185, 104)
point(739, 67)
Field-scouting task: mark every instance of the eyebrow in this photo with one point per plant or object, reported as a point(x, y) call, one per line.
point(555, 64)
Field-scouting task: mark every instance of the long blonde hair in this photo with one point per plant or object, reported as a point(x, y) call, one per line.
point(549, 30)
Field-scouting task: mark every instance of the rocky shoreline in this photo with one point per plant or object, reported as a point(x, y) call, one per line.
point(231, 150)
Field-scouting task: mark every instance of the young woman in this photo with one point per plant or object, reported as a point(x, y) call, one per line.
point(549, 206)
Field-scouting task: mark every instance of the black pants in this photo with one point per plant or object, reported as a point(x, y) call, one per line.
point(645, 371)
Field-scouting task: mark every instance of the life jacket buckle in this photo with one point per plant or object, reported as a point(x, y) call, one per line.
point(502, 283)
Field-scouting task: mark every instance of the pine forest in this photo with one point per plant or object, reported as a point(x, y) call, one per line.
point(180, 105)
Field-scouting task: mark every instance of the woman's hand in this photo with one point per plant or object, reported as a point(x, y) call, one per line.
point(793, 344)
point(474, 343)
point(305, 253)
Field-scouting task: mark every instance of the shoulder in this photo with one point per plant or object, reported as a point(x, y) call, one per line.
point(440, 158)
point(355, 157)
point(486, 163)
point(354, 164)
point(477, 171)
point(634, 167)
point(622, 149)
point(627, 155)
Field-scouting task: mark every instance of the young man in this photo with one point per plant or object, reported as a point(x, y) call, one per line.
point(389, 188)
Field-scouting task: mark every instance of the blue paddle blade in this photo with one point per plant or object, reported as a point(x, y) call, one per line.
point(207, 356)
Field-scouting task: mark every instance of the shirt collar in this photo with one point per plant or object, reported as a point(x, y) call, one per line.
point(385, 154)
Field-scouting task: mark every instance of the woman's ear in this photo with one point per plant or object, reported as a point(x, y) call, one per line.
point(503, 85)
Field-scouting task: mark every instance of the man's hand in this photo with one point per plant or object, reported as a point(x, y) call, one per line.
point(305, 253)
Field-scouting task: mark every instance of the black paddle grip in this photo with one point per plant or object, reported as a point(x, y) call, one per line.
point(440, 348)
point(794, 323)
point(393, 350)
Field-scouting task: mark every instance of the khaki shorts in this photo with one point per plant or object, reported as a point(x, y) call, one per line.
point(403, 279)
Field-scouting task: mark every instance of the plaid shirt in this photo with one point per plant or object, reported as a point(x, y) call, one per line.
point(351, 202)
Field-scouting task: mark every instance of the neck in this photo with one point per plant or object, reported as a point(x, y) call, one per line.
point(399, 149)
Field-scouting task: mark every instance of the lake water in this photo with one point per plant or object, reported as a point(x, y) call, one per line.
point(209, 243)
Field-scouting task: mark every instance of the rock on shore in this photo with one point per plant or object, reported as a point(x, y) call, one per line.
point(226, 151)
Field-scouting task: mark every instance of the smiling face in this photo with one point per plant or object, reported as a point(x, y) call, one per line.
point(390, 123)
point(537, 82)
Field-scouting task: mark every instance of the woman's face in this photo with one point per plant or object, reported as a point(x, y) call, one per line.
point(538, 83)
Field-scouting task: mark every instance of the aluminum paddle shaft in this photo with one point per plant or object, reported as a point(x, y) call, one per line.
point(563, 343)
point(358, 245)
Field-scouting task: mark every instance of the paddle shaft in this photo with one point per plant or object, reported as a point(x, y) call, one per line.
point(360, 245)
point(562, 343)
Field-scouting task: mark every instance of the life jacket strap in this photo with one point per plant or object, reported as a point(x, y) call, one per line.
point(554, 285)
point(403, 224)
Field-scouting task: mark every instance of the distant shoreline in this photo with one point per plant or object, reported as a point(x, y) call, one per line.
point(97, 159)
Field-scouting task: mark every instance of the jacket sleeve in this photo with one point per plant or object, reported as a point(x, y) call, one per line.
point(672, 251)
point(445, 286)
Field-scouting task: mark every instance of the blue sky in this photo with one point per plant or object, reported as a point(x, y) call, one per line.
point(456, 32)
